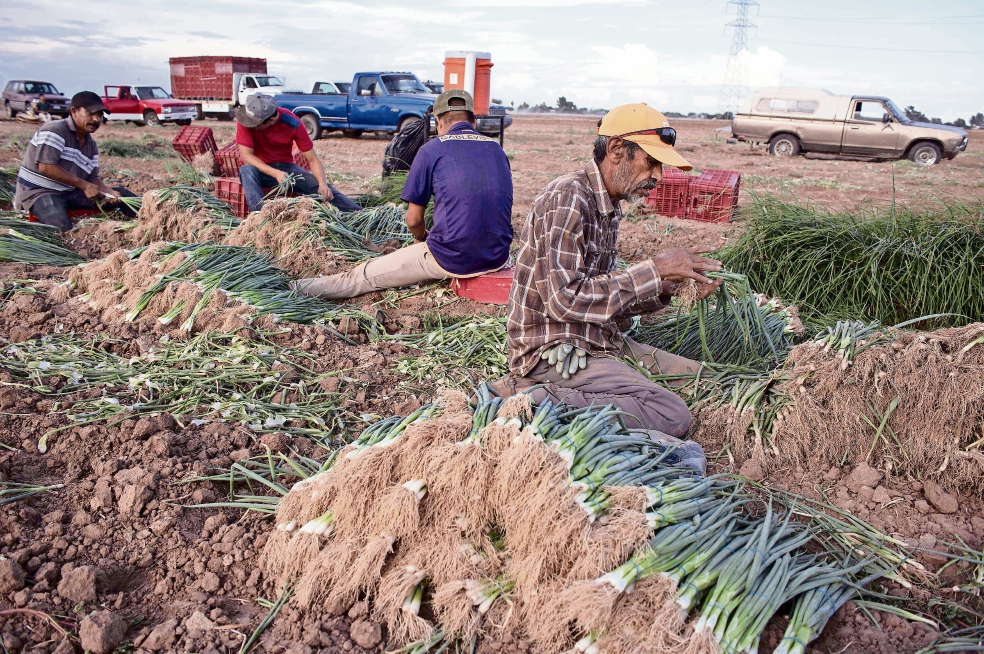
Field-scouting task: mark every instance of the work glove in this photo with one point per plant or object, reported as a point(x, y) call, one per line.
point(567, 358)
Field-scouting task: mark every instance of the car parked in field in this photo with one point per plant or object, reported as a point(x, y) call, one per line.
point(794, 120)
point(150, 105)
point(376, 101)
point(19, 92)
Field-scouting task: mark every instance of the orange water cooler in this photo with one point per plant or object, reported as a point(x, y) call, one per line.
point(471, 71)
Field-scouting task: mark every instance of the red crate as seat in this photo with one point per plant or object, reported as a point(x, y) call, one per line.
point(669, 198)
point(72, 214)
point(490, 288)
point(713, 196)
point(193, 141)
point(230, 191)
point(300, 160)
point(228, 161)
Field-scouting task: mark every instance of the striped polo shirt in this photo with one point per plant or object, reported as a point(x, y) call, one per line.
point(55, 143)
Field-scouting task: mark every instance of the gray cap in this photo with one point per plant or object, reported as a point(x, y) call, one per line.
point(258, 108)
point(443, 103)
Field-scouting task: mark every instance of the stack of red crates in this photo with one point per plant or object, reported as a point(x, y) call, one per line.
point(230, 191)
point(669, 198)
point(300, 160)
point(228, 161)
point(713, 195)
point(193, 141)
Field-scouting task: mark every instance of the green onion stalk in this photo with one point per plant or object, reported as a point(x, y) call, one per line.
point(813, 610)
point(735, 325)
point(483, 593)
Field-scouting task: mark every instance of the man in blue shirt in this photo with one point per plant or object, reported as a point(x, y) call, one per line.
point(469, 177)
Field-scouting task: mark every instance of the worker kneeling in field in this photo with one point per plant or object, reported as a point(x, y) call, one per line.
point(266, 135)
point(60, 169)
point(468, 175)
point(567, 295)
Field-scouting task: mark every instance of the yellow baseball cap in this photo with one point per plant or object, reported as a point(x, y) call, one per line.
point(641, 124)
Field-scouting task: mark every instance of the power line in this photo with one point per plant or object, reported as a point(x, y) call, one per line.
point(864, 47)
point(735, 86)
point(912, 19)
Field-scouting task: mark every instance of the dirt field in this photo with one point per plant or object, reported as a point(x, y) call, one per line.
point(117, 534)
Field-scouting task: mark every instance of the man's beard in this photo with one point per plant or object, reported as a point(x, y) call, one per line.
point(622, 183)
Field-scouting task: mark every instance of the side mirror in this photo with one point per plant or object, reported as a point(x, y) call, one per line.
point(886, 118)
point(365, 92)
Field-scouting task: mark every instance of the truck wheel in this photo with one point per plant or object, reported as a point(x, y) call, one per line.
point(409, 120)
point(11, 113)
point(925, 154)
point(352, 133)
point(150, 118)
point(784, 145)
point(312, 125)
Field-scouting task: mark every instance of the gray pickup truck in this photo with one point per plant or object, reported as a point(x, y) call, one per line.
point(794, 120)
point(19, 92)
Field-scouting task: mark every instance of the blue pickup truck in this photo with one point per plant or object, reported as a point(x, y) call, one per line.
point(380, 102)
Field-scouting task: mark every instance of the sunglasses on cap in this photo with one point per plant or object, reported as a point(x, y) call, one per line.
point(666, 134)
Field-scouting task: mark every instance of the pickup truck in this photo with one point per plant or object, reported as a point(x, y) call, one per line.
point(19, 92)
point(793, 120)
point(149, 105)
point(376, 101)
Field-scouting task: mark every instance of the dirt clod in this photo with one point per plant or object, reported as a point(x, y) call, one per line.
point(366, 634)
point(12, 576)
point(863, 475)
point(102, 631)
point(939, 498)
point(79, 584)
point(161, 637)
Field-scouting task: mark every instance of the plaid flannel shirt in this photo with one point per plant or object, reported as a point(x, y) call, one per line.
point(565, 288)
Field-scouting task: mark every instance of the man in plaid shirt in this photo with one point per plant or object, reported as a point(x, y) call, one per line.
point(566, 294)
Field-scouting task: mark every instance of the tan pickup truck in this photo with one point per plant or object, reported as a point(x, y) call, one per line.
point(795, 120)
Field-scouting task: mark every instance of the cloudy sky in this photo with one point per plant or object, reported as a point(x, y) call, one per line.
point(597, 53)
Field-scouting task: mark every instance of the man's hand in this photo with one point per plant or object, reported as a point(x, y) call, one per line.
point(706, 290)
point(325, 192)
point(92, 191)
point(279, 175)
point(686, 263)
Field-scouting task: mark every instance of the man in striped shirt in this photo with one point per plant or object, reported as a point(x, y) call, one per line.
point(567, 294)
point(60, 169)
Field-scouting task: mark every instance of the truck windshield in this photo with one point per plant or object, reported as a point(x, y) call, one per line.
point(403, 84)
point(152, 93)
point(40, 87)
point(898, 113)
point(265, 80)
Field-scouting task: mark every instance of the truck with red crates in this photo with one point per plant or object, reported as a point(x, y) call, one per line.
point(217, 85)
point(146, 105)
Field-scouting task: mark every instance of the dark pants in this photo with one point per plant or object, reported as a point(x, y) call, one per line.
point(52, 208)
point(253, 182)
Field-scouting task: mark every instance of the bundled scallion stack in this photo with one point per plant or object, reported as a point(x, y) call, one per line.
point(550, 523)
point(8, 184)
point(181, 213)
point(33, 243)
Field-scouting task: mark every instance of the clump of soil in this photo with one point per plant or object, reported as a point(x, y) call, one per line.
point(161, 220)
point(284, 228)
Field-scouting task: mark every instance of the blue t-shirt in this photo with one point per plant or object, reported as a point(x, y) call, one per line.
point(468, 174)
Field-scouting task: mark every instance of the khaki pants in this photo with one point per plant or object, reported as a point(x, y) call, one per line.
point(610, 381)
point(410, 265)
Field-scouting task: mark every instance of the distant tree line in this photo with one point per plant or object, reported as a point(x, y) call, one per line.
point(565, 106)
point(914, 114)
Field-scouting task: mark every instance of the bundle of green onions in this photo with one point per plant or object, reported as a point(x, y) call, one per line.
point(735, 325)
point(216, 376)
point(450, 355)
point(243, 274)
point(11, 491)
point(33, 243)
point(8, 184)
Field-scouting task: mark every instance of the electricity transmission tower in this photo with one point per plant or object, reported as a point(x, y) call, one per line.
point(735, 86)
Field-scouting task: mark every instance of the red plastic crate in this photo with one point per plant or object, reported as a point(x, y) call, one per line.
point(228, 161)
point(669, 198)
point(713, 196)
point(193, 141)
point(230, 190)
point(300, 160)
point(490, 288)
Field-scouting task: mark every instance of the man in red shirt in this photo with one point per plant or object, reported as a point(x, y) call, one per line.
point(265, 136)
